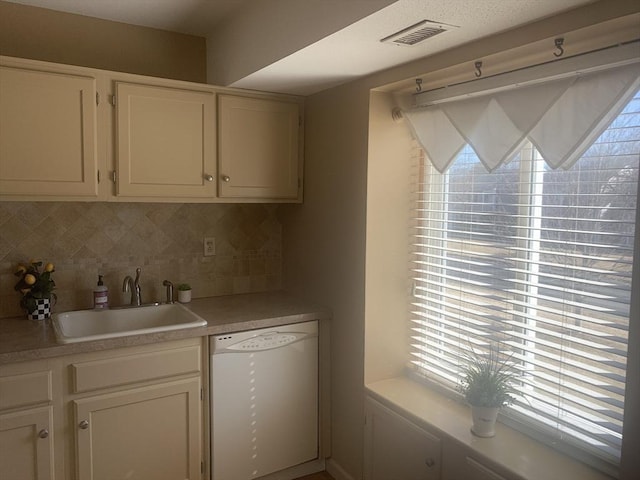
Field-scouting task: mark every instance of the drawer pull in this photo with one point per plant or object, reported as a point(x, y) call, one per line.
point(83, 424)
point(44, 433)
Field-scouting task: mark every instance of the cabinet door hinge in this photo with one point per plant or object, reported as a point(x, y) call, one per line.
point(202, 468)
point(201, 394)
point(98, 176)
point(299, 121)
point(113, 176)
point(97, 98)
point(112, 100)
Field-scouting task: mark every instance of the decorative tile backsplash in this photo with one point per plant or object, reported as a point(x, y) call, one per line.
point(83, 240)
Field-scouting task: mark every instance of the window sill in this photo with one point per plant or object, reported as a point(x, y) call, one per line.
point(510, 450)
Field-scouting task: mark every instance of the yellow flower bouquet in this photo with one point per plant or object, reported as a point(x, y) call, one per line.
point(35, 283)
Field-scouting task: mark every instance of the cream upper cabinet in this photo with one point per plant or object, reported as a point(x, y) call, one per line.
point(48, 136)
point(165, 143)
point(258, 148)
point(70, 133)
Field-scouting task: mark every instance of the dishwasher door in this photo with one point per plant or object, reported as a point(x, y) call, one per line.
point(264, 400)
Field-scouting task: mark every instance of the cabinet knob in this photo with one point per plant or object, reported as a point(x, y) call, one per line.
point(83, 424)
point(44, 433)
point(430, 462)
point(226, 178)
point(208, 178)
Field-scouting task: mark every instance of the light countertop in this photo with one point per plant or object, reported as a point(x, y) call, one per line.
point(22, 339)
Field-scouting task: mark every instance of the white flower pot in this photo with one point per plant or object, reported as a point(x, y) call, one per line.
point(184, 296)
point(484, 421)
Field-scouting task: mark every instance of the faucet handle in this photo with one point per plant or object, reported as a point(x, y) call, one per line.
point(169, 286)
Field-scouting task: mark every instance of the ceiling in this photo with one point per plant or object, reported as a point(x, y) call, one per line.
point(343, 52)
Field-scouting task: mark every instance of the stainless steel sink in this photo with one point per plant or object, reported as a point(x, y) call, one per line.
point(86, 325)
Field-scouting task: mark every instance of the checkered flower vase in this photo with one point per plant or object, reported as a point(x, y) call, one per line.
point(42, 311)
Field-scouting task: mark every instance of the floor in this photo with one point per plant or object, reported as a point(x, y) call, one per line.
point(317, 476)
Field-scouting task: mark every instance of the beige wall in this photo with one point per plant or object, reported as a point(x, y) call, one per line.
point(41, 34)
point(325, 249)
point(388, 221)
point(324, 240)
point(262, 34)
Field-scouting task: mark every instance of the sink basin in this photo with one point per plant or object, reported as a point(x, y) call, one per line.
point(86, 325)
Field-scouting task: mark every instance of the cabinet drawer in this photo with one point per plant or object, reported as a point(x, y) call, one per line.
point(25, 390)
point(112, 372)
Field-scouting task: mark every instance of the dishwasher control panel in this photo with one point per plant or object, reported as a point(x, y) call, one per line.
point(263, 339)
point(264, 342)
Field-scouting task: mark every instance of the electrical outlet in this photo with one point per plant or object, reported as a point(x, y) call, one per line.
point(209, 246)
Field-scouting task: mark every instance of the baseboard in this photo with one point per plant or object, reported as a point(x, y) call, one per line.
point(336, 471)
point(297, 471)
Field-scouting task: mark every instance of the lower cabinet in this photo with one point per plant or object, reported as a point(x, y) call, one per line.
point(129, 413)
point(26, 445)
point(26, 422)
point(460, 464)
point(396, 449)
point(149, 432)
point(136, 413)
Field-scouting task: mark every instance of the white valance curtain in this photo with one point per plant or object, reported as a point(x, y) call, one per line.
point(561, 118)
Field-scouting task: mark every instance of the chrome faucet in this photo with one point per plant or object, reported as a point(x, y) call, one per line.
point(169, 286)
point(133, 286)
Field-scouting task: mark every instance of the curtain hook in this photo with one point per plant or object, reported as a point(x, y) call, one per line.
point(418, 85)
point(559, 42)
point(478, 66)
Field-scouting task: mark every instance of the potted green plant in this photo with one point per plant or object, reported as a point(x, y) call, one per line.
point(184, 293)
point(36, 286)
point(486, 384)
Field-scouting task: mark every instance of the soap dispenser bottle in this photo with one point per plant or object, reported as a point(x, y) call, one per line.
point(100, 295)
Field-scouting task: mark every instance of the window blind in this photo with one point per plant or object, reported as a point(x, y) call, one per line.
point(537, 263)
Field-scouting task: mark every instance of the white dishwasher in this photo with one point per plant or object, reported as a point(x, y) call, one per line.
point(264, 400)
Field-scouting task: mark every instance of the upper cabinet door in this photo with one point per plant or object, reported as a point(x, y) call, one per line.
point(48, 134)
point(165, 142)
point(259, 148)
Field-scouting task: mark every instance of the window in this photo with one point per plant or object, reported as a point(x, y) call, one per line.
point(537, 262)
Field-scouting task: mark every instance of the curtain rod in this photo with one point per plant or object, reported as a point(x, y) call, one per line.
point(606, 57)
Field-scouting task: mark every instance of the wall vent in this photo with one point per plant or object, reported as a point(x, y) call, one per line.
point(417, 33)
